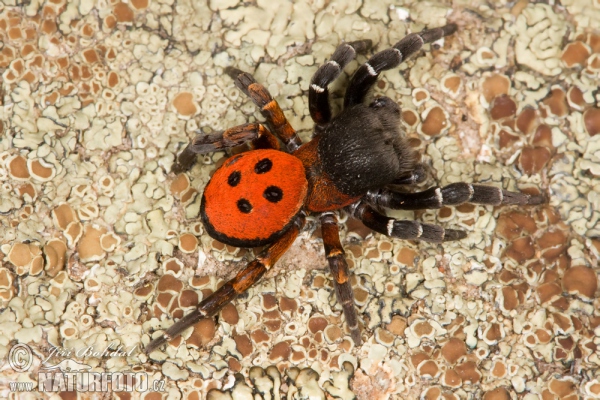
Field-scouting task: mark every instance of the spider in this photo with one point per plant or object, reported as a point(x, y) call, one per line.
point(260, 197)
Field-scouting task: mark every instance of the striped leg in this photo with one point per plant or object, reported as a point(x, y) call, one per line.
point(340, 272)
point(234, 287)
point(318, 94)
point(268, 107)
point(451, 195)
point(366, 76)
point(409, 230)
point(259, 136)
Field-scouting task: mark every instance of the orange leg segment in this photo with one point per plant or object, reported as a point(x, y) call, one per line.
point(256, 133)
point(268, 107)
point(234, 287)
point(341, 274)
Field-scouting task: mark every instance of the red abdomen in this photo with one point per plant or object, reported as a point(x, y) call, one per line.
point(253, 197)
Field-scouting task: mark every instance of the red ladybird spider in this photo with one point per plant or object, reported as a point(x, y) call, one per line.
point(259, 198)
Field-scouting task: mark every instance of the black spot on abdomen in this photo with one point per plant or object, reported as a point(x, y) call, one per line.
point(273, 194)
point(244, 206)
point(263, 166)
point(234, 178)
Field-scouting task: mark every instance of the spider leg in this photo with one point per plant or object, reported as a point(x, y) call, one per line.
point(401, 229)
point(341, 275)
point(318, 94)
point(234, 287)
point(450, 195)
point(416, 175)
point(366, 76)
point(269, 108)
point(256, 133)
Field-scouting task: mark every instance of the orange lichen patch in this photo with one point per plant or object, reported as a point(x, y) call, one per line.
point(184, 104)
point(495, 85)
point(87, 30)
point(180, 184)
point(73, 232)
point(63, 215)
point(451, 83)
point(513, 224)
point(112, 79)
point(188, 243)
point(420, 95)
point(521, 249)
point(37, 265)
point(502, 107)
point(144, 292)
point(139, 4)
point(510, 298)
point(230, 314)
point(434, 121)
point(493, 333)
point(280, 351)
point(332, 333)
point(109, 241)
point(580, 280)
point(575, 98)
point(468, 372)
point(422, 329)
point(497, 394)
point(407, 256)
point(562, 388)
point(499, 369)
point(453, 350)
point(27, 189)
point(204, 332)
point(533, 159)
point(506, 139)
point(575, 54)
point(428, 369)
point(55, 251)
point(50, 99)
point(397, 325)
point(174, 266)
point(418, 358)
point(90, 56)
point(556, 102)
point(123, 12)
point(89, 247)
point(317, 324)
point(49, 26)
point(17, 168)
point(543, 137)
point(552, 244)
point(410, 117)
point(168, 283)
point(110, 21)
point(526, 120)
point(591, 120)
point(41, 170)
point(451, 379)
point(543, 336)
point(20, 255)
point(243, 344)
point(259, 336)
point(548, 291)
point(188, 298)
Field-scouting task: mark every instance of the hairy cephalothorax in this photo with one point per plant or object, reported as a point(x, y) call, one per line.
point(354, 160)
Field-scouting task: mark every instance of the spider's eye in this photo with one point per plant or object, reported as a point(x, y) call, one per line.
point(244, 206)
point(273, 194)
point(234, 178)
point(263, 166)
